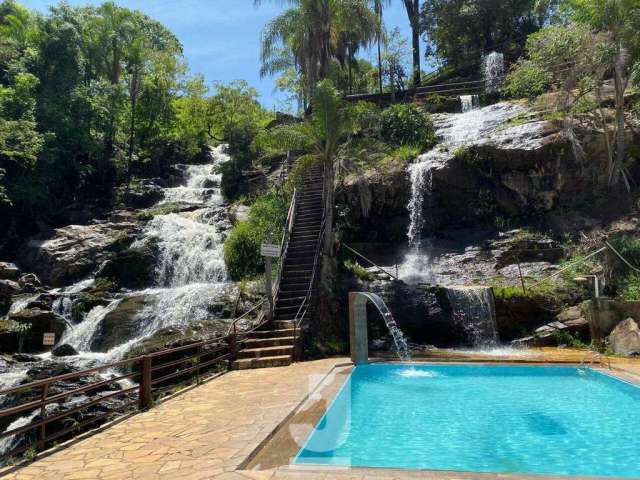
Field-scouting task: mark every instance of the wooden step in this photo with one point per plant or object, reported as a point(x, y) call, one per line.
point(262, 362)
point(282, 324)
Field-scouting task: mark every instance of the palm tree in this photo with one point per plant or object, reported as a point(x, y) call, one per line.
point(413, 11)
point(322, 135)
point(378, 6)
point(312, 33)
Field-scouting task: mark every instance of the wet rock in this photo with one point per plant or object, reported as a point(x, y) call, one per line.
point(38, 322)
point(9, 287)
point(73, 252)
point(524, 247)
point(239, 213)
point(24, 358)
point(121, 322)
point(625, 338)
point(132, 268)
point(144, 196)
point(64, 350)
point(30, 282)
point(9, 271)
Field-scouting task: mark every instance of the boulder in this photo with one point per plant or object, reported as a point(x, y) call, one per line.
point(73, 252)
point(9, 287)
point(119, 323)
point(9, 271)
point(625, 338)
point(142, 197)
point(29, 281)
point(131, 268)
point(64, 350)
point(570, 324)
point(39, 322)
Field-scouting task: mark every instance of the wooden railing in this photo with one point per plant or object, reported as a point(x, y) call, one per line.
point(155, 375)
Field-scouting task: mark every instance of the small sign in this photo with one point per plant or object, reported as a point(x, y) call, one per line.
point(270, 250)
point(49, 339)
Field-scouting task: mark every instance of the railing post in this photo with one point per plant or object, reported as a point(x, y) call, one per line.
point(145, 398)
point(198, 360)
point(232, 341)
point(43, 413)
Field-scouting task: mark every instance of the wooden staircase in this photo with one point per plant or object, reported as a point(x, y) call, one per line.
point(274, 345)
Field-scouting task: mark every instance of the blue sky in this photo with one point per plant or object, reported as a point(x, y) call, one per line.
point(221, 38)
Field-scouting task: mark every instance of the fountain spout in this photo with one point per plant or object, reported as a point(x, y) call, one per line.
point(358, 334)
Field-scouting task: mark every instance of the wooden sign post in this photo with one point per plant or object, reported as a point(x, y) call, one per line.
point(269, 251)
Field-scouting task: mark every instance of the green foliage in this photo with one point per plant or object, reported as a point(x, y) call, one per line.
point(365, 116)
point(359, 271)
point(631, 289)
point(406, 153)
point(460, 30)
point(527, 79)
point(552, 46)
point(406, 124)
point(242, 247)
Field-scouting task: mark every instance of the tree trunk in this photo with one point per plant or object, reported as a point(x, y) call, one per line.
point(616, 167)
point(415, 27)
point(379, 12)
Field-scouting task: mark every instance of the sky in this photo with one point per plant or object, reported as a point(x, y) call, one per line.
point(221, 38)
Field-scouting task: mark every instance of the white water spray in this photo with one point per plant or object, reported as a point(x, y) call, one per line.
point(474, 310)
point(493, 71)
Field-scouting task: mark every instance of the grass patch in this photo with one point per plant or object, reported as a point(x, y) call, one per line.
point(359, 271)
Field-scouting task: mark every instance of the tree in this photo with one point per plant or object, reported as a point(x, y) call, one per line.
point(413, 12)
point(619, 20)
point(311, 34)
point(460, 32)
point(378, 7)
point(323, 135)
point(394, 60)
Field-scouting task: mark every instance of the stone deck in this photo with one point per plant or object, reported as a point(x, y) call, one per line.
point(209, 432)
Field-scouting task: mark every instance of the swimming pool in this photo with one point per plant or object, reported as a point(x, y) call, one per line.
point(477, 418)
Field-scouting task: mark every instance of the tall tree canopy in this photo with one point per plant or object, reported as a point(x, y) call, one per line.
point(459, 32)
point(312, 34)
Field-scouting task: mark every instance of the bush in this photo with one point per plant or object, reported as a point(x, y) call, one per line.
point(406, 124)
point(365, 116)
point(631, 291)
point(242, 252)
point(242, 151)
point(242, 247)
point(527, 80)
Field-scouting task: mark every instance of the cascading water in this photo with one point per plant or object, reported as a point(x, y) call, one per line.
point(469, 102)
point(493, 71)
point(190, 270)
point(455, 130)
point(474, 310)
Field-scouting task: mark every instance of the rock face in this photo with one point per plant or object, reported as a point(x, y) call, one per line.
point(625, 338)
point(571, 323)
point(9, 271)
point(374, 206)
point(65, 350)
point(38, 322)
point(121, 322)
point(74, 252)
point(131, 268)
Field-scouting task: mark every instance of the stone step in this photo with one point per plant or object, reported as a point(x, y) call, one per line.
point(283, 324)
point(298, 291)
point(284, 332)
point(263, 352)
point(263, 362)
point(268, 342)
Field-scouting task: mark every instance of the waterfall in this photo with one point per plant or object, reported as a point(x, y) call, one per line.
point(190, 271)
point(493, 71)
point(469, 102)
point(474, 310)
point(454, 131)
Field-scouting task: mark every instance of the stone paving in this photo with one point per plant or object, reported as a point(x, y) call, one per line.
point(208, 432)
point(204, 433)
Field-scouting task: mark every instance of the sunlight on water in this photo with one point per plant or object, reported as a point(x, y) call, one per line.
point(413, 372)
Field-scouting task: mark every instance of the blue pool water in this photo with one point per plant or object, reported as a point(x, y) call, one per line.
point(508, 419)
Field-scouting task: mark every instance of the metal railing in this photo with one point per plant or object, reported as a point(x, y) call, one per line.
point(372, 263)
point(301, 314)
point(284, 243)
point(155, 378)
